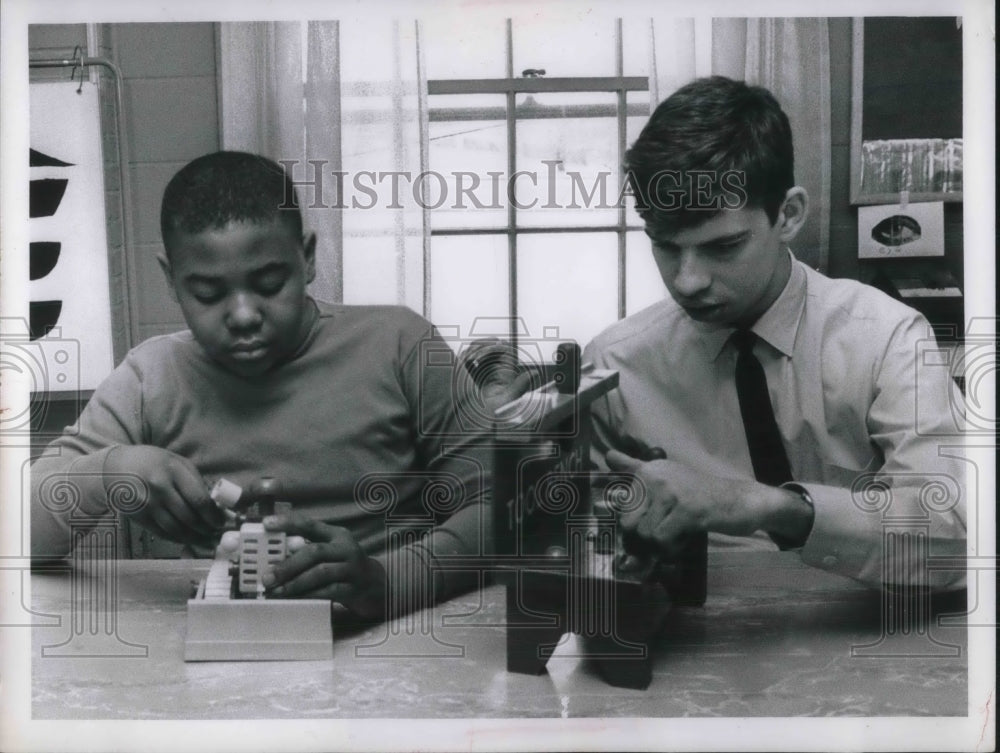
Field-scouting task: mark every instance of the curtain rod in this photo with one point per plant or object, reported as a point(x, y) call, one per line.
point(124, 199)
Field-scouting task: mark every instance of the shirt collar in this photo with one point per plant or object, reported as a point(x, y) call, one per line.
point(777, 326)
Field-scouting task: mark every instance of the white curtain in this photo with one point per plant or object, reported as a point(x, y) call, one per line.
point(338, 98)
point(384, 134)
point(791, 58)
point(680, 50)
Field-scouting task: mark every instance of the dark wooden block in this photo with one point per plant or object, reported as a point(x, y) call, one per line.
point(559, 554)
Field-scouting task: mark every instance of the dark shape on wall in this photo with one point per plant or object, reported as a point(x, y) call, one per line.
point(897, 230)
point(44, 255)
point(912, 78)
point(41, 159)
point(43, 316)
point(45, 196)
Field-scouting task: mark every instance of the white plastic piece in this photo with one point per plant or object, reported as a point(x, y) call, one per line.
point(223, 628)
point(226, 493)
point(229, 544)
point(258, 630)
point(259, 550)
point(218, 583)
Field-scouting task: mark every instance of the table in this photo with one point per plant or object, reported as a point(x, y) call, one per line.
point(774, 639)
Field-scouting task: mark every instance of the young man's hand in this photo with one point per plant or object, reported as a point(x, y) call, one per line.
point(330, 565)
point(177, 504)
point(678, 499)
point(497, 394)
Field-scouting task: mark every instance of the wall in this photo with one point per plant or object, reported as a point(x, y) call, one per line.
point(54, 41)
point(844, 260)
point(172, 117)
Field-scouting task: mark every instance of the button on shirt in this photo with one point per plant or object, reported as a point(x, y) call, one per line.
point(866, 421)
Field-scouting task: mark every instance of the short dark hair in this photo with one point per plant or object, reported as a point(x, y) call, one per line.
point(216, 189)
point(714, 143)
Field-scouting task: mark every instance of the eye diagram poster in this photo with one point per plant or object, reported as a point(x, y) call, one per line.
point(896, 231)
point(69, 298)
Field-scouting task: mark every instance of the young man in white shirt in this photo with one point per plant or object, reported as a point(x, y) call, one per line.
point(713, 176)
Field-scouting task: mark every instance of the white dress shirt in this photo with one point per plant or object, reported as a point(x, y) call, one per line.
point(870, 429)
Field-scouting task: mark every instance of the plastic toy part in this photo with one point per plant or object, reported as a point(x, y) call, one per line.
point(226, 494)
point(259, 550)
point(223, 628)
point(228, 618)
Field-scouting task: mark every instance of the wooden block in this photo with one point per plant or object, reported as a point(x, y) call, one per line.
point(616, 619)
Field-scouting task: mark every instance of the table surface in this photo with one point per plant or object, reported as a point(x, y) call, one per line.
point(775, 638)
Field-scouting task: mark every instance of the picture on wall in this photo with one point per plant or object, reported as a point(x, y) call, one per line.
point(69, 296)
point(906, 112)
point(900, 231)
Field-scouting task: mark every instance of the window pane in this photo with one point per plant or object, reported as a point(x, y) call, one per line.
point(371, 269)
point(638, 107)
point(638, 114)
point(567, 286)
point(454, 47)
point(636, 42)
point(463, 154)
point(565, 42)
point(567, 166)
point(469, 280)
point(643, 285)
point(370, 47)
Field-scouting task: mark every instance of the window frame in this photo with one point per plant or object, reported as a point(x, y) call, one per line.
point(510, 87)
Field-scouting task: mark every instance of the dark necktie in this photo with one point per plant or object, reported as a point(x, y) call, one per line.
point(767, 453)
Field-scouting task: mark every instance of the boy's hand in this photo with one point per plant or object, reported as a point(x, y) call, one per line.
point(330, 566)
point(177, 506)
point(679, 500)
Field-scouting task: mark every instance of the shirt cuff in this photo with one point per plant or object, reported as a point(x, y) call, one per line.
point(849, 540)
point(844, 539)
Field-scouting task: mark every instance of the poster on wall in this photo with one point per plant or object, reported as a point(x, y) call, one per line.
point(896, 231)
point(69, 296)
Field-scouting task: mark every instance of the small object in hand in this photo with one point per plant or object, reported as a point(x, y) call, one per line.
point(655, 453)
point(630, 563)
point(640, 450)
point(226, 494)
point(265, 493)
point(229, 543)
point(567, 368)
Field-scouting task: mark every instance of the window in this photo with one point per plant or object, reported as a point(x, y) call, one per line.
point(528, 226)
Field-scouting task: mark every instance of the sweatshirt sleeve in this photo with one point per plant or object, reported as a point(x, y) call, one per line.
point(455, 456)
point(68, 479)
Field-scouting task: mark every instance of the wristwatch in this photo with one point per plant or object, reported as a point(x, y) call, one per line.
point(784, 543)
